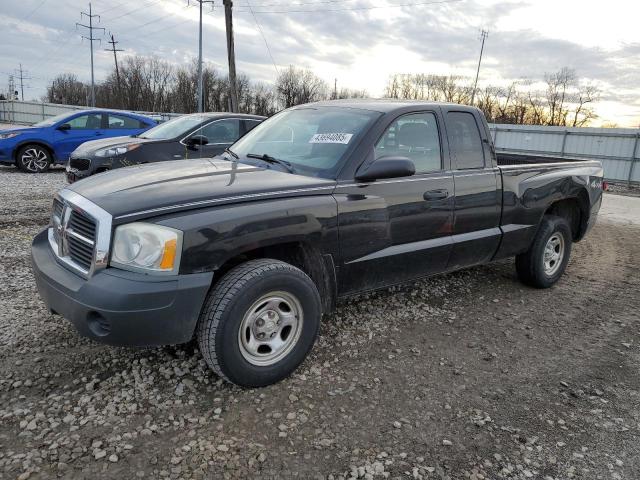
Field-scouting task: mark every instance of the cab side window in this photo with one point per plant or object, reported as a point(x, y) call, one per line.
point(464, 140)
point(92, 121)
point(415, 136)
point(221, 131)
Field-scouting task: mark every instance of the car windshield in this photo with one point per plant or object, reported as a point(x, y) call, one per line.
point(52, 120)
point(312, 139)
point(174, 128)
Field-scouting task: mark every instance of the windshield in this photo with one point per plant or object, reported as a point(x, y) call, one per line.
point(312, 139)
point(50, 121)
point(174, 128)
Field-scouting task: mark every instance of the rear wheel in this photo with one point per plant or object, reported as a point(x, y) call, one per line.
point(545, 262)
point(33, 159)
point(259, 322)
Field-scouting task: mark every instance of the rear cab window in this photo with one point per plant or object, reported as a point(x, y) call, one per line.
point(465, 141)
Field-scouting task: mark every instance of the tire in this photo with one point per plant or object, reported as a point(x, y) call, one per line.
point(545, 262)
point(259, 322)
point(33, 158)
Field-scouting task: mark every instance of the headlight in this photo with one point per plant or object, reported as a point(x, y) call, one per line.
point(114, 151)
point(8, 135)
point(146, 247)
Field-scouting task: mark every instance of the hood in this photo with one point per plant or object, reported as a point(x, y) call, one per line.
point(21, 130)
point(90, 147)
point(143, 191)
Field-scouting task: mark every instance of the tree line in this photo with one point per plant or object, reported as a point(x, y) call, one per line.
point(562, 100)
point(154, 85)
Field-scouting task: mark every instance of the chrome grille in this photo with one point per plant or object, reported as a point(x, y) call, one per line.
point(80, 233)
point(80, 239)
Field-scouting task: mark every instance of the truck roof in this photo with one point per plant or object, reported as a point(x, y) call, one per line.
point(384, 105)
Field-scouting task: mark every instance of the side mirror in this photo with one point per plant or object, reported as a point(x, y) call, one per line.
point(197, 140)
point(386, 167)
point(64, 126)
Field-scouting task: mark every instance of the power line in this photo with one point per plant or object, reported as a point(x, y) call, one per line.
point(134, 10)
point(263, 38)
point(351, 9)
point(28, 16)
point(91, 39)
point(483, 34)
point(281, 4)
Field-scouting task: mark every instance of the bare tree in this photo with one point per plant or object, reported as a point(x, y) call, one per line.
point(296, 86)
point(583, 99)
point(66, 88)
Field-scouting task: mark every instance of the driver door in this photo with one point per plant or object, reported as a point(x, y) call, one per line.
point(398, 229)
point(82, 128)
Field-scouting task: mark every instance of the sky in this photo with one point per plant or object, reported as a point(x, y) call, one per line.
point(358, 42)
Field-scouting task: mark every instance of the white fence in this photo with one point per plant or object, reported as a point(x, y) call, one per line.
point(617, 148)
point(28, 113)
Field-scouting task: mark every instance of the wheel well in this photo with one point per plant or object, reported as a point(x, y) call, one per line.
point(102, 169)
point(318, 267)
point(575, 210)
point(40, 144)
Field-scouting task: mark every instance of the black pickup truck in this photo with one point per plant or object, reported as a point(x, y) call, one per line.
point(246, 251)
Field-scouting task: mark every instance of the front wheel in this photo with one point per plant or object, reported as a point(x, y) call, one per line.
point(545, 262)
point(259, 322)
point(33, 159)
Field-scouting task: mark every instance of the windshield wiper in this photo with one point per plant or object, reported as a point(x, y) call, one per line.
point(270, 159)
point(231, 152)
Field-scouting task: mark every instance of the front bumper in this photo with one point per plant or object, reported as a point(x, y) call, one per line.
point(73, 174)
point(117, 307)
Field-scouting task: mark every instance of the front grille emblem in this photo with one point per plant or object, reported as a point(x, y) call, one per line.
point(63, 248)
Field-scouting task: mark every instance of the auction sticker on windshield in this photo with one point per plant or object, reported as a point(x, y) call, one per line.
point(343, 138)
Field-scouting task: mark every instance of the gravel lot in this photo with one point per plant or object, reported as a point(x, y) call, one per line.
point(463, 376)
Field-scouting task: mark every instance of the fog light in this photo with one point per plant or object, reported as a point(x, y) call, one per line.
point(98, 325)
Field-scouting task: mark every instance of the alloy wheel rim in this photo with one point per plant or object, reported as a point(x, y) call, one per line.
point(34, 159)
point(553, 254)
point(270, 328)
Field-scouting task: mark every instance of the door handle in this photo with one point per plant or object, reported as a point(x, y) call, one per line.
point(436, 194)
point(99, 134)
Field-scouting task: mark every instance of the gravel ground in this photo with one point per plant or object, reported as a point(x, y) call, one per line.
point(463, 376)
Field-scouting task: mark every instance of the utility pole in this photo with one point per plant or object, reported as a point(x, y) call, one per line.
point(21, 75)
point(13, 93)
point(115, 59)
point(199, 93)
point(91, 40)
point(483, 34)
point(233, 92)
point(335, 88)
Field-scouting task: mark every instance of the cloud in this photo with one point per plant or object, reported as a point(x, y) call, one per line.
point(359, 47)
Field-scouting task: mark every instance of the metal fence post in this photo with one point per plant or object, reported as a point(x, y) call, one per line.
point(634, 159)
point(564, 142)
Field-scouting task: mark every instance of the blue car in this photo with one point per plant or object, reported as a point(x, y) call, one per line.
point(33, 149)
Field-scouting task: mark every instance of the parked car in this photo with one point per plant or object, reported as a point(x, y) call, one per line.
point(191, 136)
point(33, 149)
point(321, 201)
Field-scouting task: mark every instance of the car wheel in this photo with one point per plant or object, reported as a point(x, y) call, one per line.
point(545, 262)
point(33, 159)
point(259, 322)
